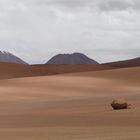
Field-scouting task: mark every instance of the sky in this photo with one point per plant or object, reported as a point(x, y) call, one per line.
point(36, 30)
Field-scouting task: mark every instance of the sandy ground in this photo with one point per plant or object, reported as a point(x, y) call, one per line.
point(71, 106)
point(12, 70)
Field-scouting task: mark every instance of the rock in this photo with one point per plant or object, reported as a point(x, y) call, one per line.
point(119, 104)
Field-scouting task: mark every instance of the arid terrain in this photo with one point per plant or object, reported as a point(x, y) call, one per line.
point(74, 106)
point(69, 69)
point(12, 70)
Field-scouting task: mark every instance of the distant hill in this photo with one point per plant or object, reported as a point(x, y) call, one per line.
point(127, 63)
point(75, 58)
point(9, 57)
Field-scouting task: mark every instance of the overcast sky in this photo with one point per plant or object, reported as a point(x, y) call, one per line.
point(105, 30)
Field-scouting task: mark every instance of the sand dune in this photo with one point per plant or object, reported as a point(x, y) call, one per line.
point(11, 70)
point(131, 76)
point(126, 63)
point(71, 106)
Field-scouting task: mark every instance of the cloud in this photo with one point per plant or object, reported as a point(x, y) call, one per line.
point(35, 30)
point(119, 5)
point(116, 5)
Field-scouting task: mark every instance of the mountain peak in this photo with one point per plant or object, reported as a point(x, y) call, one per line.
point(9, 57)
point(74, 58)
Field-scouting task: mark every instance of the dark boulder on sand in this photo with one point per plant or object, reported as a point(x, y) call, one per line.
point(119, 104)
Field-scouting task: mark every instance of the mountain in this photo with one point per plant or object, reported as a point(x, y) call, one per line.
point(75, 58)
point(9, 57)
point(127, 63)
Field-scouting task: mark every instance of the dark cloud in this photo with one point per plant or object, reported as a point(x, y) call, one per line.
point(119, 5)
point(114, 5)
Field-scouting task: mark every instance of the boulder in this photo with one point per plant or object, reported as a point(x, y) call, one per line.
point(119, 104)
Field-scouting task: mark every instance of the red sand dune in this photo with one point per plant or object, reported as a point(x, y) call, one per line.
point(11, 70)
point(71, 106)
point(126, 63)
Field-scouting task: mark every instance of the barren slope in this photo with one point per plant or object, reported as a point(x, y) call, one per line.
point(126, 63)
point(70, 106)
point(11, 70)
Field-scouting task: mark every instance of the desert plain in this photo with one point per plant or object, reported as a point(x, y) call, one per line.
point(70, 106)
